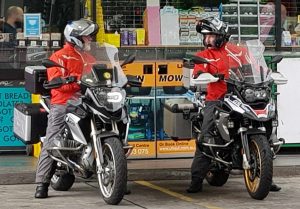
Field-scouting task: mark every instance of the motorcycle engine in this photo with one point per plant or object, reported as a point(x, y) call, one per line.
point(87, 159)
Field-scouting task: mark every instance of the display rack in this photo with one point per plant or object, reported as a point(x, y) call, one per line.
point(245, 18)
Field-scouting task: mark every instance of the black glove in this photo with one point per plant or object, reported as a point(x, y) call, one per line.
point(220, 76)
point(70, 79)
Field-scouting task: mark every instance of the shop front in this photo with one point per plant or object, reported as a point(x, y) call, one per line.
point(160, 34)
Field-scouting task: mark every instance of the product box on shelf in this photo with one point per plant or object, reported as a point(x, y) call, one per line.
point(169, 18)
point(124, 37)
point(151, 21)
point(21, 40)
point(55, 40)
point(33, 41)
point(140, 36)
point(113, 38)
point(45, 40)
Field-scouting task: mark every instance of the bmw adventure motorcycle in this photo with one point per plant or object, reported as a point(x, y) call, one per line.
point(94, 139)
point(245, 124)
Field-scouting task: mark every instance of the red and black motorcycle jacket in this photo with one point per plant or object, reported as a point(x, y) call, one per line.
point(74, 62)
point(222, 59)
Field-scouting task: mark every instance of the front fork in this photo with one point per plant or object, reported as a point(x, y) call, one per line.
point(246, 152)
point(98, 147)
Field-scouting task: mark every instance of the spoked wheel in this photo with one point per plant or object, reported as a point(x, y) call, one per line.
point(258, 178)
point(112, 177)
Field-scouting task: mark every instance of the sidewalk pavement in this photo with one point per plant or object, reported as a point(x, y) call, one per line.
point(20, 169)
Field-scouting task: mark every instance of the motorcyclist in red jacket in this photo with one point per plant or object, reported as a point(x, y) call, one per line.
point(74, 57)
point(222, 56)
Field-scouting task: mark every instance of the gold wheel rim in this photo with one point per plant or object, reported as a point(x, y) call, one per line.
point(252, 184)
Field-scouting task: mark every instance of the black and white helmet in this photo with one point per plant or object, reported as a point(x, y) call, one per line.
point(76, 29)
point(213, 25)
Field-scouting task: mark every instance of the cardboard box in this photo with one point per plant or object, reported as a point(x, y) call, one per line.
point(33, 41)
point(131, 37)
point(45, 40)
point(124, 37)
point(151, 20)
point(113, 38)
point(169, 17)
point(55, 40)
point(22, 41)
point(153, 3)
point(140, 36)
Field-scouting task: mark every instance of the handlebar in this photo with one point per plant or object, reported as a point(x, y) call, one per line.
point(58, 82)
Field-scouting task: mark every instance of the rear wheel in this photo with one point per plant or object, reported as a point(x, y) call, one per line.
point(217, 178)
point(112, 177)
point(258, 178)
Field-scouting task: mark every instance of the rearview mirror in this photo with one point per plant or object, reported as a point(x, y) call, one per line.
point(133, 81)
point(128, 60)
point(199, 60)
point(276, 59)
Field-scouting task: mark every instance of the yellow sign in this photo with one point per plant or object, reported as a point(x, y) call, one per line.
point(143, 149)
point(180, 147)
point(167, 73)
point(298, 18)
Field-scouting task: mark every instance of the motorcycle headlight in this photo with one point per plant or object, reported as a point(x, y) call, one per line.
point(260, 94)
point(252, 95)
point(112, 99)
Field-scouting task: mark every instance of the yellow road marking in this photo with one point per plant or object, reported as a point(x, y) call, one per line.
point(175, 194)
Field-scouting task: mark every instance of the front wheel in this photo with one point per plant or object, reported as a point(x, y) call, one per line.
point(258, 178)
point(112, 176)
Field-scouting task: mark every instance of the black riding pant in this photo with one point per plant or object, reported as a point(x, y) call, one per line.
point(200, 165)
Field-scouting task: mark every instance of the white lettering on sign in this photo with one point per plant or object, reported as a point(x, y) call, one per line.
point(6, 83)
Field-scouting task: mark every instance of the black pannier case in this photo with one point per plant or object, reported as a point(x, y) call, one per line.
point(30, 122)
point(35, 76)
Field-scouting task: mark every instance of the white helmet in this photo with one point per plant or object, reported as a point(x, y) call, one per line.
point(76, 29)
point(213, 25)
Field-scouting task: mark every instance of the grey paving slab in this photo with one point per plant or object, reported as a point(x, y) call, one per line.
point(163, 194)
point(20, 169)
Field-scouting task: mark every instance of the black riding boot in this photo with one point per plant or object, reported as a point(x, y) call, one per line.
point(41, 190)
point(274, 187)
point(195, 187)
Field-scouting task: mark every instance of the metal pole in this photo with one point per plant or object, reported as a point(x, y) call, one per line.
point(278, 26)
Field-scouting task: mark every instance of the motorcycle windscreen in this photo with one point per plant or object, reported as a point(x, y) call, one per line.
point(101, 66)
point(251, 67)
